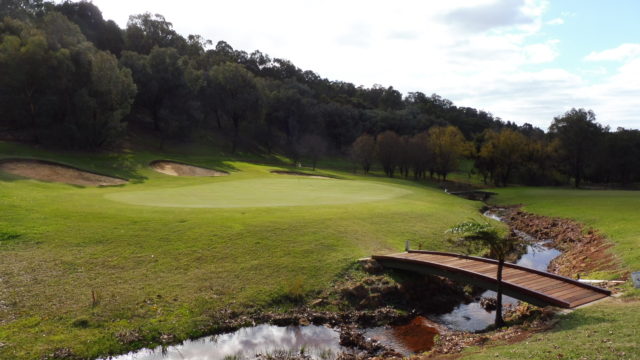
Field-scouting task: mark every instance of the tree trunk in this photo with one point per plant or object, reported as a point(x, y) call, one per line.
point(236, 124)
point(499, 321)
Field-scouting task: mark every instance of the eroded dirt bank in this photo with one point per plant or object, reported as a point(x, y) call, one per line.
point(584, 250)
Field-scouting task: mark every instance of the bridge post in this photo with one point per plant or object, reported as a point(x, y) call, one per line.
point(406, 245)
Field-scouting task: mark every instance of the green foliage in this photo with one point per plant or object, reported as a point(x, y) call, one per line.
point(238, 96)
point(475, 235)
point(62, 88)
point(447, 145)
point(579, 134)
point(6, 235)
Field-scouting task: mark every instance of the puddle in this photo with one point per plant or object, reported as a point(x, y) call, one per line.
point(415, 337)
point(318, 342)
point(472, 316)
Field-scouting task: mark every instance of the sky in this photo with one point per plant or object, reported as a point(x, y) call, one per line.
point(525, 61)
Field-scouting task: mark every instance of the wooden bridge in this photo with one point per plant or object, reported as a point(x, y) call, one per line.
point(533, 286)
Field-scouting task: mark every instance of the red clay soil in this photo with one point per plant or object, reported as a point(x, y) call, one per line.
point(583, 250)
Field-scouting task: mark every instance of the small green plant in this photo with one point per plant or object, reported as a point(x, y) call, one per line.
point(81, 322)
point(295, 289)
point(6, 235)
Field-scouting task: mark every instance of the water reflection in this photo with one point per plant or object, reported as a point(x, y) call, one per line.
point(472, 316)
point(319, 342)
point(415, 337)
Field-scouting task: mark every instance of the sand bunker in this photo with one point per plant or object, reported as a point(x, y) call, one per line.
point(295, 173)
point(179, 169)
point(49, 171)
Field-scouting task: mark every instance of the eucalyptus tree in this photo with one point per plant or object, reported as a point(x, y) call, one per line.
point(241, 99)
point(579, 135)
point(72, 94)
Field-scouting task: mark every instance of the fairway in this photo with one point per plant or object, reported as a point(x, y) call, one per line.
point(166, 253)
point(263, 192)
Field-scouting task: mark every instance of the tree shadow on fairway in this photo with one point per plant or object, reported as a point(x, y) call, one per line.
point(578, 319)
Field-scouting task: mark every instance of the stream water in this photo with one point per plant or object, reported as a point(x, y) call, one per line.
point(318, 342)
point(472, 316)
point(322, 343)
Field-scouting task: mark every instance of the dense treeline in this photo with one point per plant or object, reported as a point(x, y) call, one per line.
point(184, 86)
point(576, 149)
point(70, 78)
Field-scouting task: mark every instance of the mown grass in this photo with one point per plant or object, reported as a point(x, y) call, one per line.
point(78, 267)
point(615, 213)
point(608, 330)
point(603, 331)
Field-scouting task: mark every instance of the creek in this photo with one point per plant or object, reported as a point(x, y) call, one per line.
point(472, 316)
point(323, 343)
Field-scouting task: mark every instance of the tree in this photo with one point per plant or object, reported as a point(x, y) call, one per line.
point(473, 235)
point(105, 35)
point(388, 151)
point(146, 31)
point(241, 98)
point(312, 147)
point(167, 88)
point(21, 9)
point(363, 151)
point(579, 136)
point(290, 110)
point(72, 94)
point(26, 65)
point(504, 150)
point(447, 145)
point(420, 154)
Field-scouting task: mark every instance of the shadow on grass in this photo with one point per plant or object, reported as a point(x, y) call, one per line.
point(578, 319)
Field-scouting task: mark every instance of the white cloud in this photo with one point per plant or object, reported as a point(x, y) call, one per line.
point(479, 56)
point(620, 53)
point(556, 21)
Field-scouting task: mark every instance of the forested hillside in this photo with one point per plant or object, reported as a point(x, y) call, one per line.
point(71, 79)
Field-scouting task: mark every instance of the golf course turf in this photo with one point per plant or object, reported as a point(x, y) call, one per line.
point(163, 254)
point(82, 264)
point(263, 192)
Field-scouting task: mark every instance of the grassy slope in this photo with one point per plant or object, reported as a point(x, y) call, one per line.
point(608, 330)
point(163, 269)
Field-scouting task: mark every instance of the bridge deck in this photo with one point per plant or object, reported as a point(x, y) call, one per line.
point(533, 286)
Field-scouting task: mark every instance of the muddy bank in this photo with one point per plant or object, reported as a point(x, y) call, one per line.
point(584, 250)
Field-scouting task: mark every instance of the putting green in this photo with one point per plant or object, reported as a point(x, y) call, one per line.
point(264, 192)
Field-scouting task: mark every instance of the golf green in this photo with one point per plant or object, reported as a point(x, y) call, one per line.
point(263, 192)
